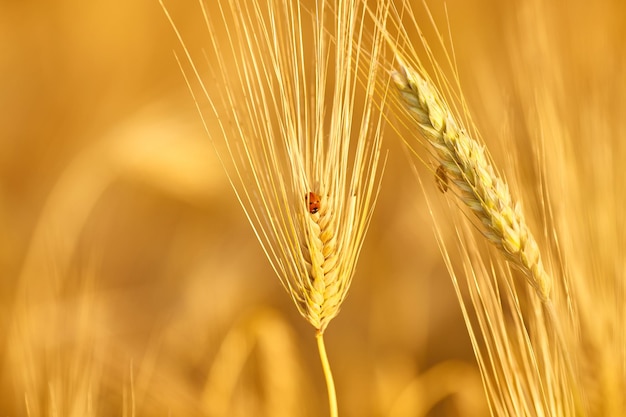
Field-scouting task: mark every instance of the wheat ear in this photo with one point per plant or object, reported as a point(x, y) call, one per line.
point(324, 285)
point(301, 151)
point(468, 167)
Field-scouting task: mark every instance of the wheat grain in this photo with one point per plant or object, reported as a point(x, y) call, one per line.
point(468, 167)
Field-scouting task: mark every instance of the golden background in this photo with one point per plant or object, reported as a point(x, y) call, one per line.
point(132, 283)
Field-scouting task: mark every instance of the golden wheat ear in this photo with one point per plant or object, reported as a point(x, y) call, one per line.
point(519, 348)
point(460, 158)
point(293, 116)
point(516, 338)
point(469, 169)
point(299, 133)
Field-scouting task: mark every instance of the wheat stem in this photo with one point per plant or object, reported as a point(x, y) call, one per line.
point(330, 383)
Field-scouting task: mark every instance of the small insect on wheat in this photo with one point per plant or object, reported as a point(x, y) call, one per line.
point(313, 202)
point(441, 178)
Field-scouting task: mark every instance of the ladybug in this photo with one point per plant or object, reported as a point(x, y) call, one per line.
point(313, 201)
point(441, 177)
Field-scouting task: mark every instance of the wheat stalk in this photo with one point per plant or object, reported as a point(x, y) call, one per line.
point(467, 166)
point(515, 356)
point(517, 339)
point(299, 143)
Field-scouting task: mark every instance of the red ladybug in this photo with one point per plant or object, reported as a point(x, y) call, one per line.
point(314, 202)
point(441, 177)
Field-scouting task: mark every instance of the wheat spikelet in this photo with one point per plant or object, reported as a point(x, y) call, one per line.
point(321, 256)
point(468, 167)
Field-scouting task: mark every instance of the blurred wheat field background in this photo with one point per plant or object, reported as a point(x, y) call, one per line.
point(133, 284)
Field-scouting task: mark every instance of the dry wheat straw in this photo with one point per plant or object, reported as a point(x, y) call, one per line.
point(468, 167)
point(584, 187)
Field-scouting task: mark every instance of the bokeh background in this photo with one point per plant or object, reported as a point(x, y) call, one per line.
point(131, 282)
